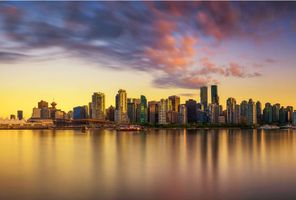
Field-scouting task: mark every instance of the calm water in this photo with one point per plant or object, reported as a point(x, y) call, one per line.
point(162, 164)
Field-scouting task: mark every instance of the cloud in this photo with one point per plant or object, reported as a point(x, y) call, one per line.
point(237, 70)
point(9, 57)
point(270, 60)
point(164, 38)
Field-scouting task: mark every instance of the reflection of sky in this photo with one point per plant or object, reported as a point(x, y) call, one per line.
point(231, 43)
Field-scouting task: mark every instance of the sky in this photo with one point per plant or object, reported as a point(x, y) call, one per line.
point(65, 51)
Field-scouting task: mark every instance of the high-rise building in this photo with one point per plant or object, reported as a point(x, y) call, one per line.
point(20, 114)
point(214, 113)
point(98, 106)
point(230, 109)
point(80, 112)
point(244, 111)
point(131, 110)
point(283, 114)
point(267, 113)
point(251, 113)
point(182, 114)
point(204, 97)
point(191, 107)
point(153, 112)
point(90, 109)
point(110, 113)
point(237, 115)
point(276, 113)
point(143, 110)
point(259, 111)
point(214, 94)
point(175, 101)
point(294, 118)
point(162, 111)
point(289, 113)
point(121, 107)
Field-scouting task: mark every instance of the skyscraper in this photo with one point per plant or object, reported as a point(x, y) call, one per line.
point(259, 111)
point(143, 110)
point(80, 112)
point(153, 112)
point(20, 114)
point(294, 118)
point(110, 113)
point(191, 107)
point(182, 114)
point(267, 113)
point(251, 113)
point(214, 113)
point(131, 110)
point(243, 111)
point(175, 101)
point(230, 109)
point(121, 107)
point(276, 113)
point(162, 111)
point(214, 94)
point(98, 106)
point(204, 97)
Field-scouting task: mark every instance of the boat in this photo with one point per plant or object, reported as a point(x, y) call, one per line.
point(130, 128)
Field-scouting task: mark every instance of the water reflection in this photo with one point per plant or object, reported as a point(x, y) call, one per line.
point(159, 164)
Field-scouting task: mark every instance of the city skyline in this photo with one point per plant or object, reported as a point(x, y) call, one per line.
point(65, 51)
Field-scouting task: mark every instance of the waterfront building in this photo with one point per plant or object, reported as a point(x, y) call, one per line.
point(259, 112)
point(90, 109)
point(230, 109)
point(131, 110)
point(58, 114)
point(214, 113)
point(110, 113)
point(214, 95)
point(283, 116)
point(121, 107)
point(143, 109)
point(12, 117)
point(182, 114)
point(237, 114)
point(175, 102)
point(289, 113)
point(162, 111)
point(172, 117)
point(80, 112)
point(98, 106)
point(276, 113)
point(36, 113)
point(204, 97)
point(153, 112)
point(69, 115)
point(221, 119)
point(201, 116)
point(251, 113)
point(20, 115)
point(267, 113)
point(294, 118)
point(243, 110)
point(191, 107)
